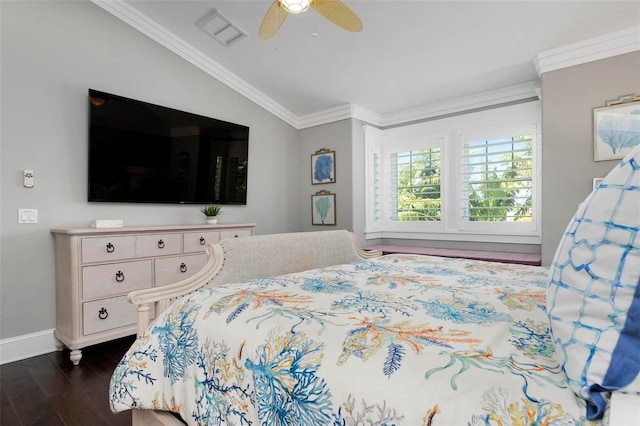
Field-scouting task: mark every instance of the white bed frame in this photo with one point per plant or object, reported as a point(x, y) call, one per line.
point(241, 259)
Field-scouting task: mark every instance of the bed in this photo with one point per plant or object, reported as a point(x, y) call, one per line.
point(308, 329)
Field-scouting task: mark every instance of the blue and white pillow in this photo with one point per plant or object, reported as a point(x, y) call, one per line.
point(593, 299)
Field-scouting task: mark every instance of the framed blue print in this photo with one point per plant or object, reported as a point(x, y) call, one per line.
point(616, 128)
point(323, 208)
point(323, 167)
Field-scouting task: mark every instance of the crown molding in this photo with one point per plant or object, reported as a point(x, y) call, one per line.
point(329, 115)
point(487, 99)
point(164, 37)
point(368, 116)
point(608, 45)
point(589, 50)
point(518, 92)
point(342, 112)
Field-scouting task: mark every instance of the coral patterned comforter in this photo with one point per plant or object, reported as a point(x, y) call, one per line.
point(396, 340)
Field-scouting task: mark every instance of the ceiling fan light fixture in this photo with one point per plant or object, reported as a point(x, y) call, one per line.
point(295, 6)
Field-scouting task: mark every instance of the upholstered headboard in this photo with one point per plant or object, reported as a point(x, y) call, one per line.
point(245, 258)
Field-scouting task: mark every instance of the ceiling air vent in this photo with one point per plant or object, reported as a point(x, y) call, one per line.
point(219, 27)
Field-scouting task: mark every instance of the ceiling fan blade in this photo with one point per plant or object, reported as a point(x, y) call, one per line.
point(338, 13)
point(272, 21)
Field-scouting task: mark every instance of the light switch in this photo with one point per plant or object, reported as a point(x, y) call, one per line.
point(27, 215)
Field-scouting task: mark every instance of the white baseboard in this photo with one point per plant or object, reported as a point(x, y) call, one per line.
point(26, 346)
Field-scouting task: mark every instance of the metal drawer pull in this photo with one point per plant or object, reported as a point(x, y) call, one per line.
point(183, 267)
point(160, 244)
point(235, 236)
point(110, 248)
point(119, 276)
point(202, 241)
point(103, 314)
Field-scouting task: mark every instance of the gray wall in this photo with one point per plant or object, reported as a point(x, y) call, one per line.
point(52, 52)
point(335, 137)
point(568, 98)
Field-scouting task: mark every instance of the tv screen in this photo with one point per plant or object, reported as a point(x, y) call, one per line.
point(145, 153)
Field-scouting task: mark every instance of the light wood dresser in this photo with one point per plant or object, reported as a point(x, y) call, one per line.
point(97, 267)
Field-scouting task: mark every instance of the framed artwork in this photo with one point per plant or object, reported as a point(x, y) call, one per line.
point(323, 208)
point(616, 128)
point(323, 167)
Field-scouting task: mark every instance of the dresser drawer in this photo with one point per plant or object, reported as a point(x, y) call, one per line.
point(159, 245)
point(116, 278)
point(194, 242)
point(172, 270)
point(234, 233)
point(107, 314)
point(108, 248)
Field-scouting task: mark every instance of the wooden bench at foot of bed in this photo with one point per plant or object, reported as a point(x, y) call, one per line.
point(489, 256)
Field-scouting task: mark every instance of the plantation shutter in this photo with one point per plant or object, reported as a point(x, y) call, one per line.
point(414, 181)
point(497, 180)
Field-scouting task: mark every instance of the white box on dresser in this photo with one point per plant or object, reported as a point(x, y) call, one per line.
point(97, 267)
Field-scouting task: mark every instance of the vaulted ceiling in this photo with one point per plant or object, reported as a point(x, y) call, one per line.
point(410, 54)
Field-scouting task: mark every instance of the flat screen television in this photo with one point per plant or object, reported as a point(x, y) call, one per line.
point(145, 153)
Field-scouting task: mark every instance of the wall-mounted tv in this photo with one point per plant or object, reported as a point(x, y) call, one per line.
point(145, 153)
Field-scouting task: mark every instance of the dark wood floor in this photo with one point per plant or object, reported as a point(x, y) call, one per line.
point(49, 390)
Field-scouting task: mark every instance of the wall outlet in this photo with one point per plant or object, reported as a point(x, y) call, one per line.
point(27, 178)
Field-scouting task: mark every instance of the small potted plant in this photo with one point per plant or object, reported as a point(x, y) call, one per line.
point(211, 212)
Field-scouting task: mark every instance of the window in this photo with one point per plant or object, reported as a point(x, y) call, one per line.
point(466, 178)
point(415, 185)
point(497, 178)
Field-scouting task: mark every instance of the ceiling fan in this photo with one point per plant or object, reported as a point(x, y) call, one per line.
point(334, 10)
